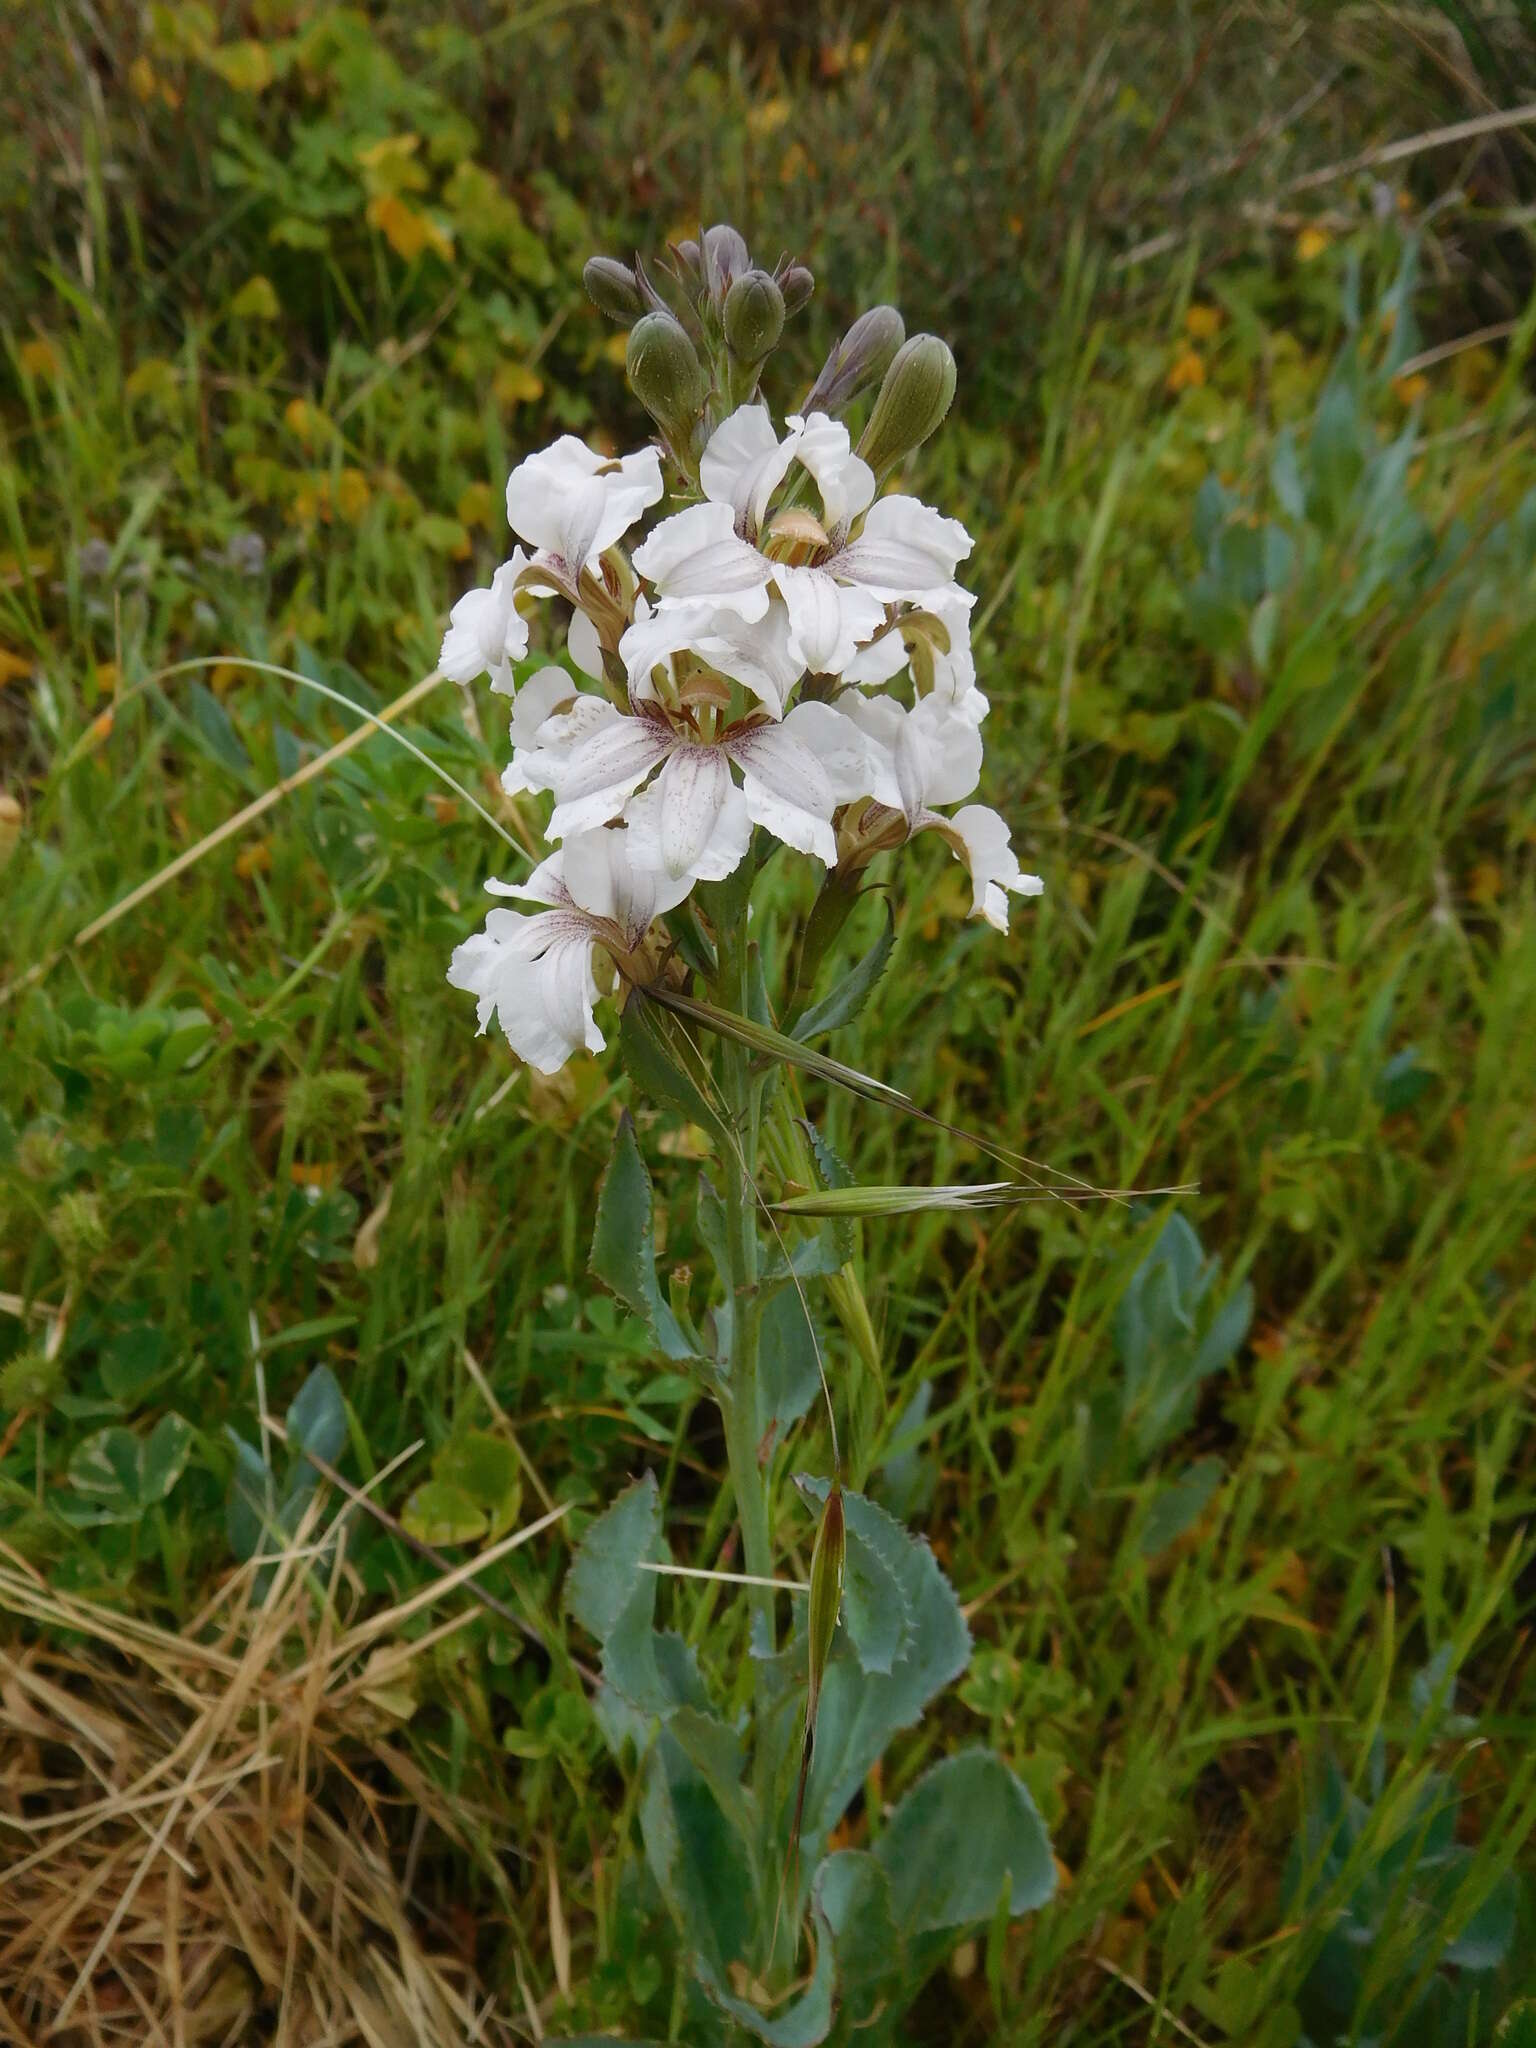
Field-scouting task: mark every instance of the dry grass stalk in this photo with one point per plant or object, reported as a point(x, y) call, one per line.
point(197, 1828)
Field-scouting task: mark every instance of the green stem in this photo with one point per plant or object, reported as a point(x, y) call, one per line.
point(741, 1433)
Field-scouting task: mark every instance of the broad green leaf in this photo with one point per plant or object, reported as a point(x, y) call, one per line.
point(317, 1417)
point(1179, 1506)
point(844, 1002)
point(443, 1514)
point(697, 1857)
point(251, 1505)
point(963, 1832)
point(875, 1610)
point(604, 1575)
point(861, 1710)
point(805, 2023)
point(105, 1470)
point(485, 1468)
point(623, 1247)
point(853, 1893)
point(164, 1458)
point(788, 1379)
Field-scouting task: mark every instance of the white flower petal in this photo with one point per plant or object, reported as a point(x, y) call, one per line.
point(699, 554)
point(980, 837)
point(723, 854)
point(691, 791)
point(586, 649)
point(744, 465)
point(657, 635)
point(846, 482)
point(786, 788)
point(592, 780)
point(486, 632)
point(877, 660)
point(555, 738)
point(841, 750)
point(905, 549)
point(826, 621)
point(539, 698)
point(572, 502)
point(534, 976)
point(946, 747)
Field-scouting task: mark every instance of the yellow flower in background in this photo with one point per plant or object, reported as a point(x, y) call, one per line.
point(1202, 322)
point(768, 116)
point(352, 495)
point(39, 358)
point(407, 230)
point(1409, 390)
point(517, 384)
point(1310, 243)
point(1188, 372)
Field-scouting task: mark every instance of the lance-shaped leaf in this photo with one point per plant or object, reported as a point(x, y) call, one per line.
point(699, 1859)
point(804, 2024)
point(787, 1372)
point(963, 1832)
point(767, 1043)
point(853, 990)
point(665, 1068)
point(623, 1242)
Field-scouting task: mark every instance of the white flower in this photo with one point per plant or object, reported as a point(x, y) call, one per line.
point(795, 772)
point(709, 554)
point(486, 632)
point(533, 974)
point(570, 503)
point(757, 654)
point(953, 672)
point(932, 755)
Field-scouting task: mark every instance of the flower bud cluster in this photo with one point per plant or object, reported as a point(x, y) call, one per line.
point(787, 653)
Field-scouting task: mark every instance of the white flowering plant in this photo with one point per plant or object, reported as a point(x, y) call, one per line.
point(768, 660)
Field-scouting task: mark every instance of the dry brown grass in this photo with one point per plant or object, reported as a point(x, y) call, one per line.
point(204, 1831)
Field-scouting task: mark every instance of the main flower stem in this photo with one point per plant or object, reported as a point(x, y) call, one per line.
point(741, 1430)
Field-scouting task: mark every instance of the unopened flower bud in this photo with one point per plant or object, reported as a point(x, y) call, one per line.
point(612, 288)
point(725, 255)
point(796, 284)
point(754, 315)
point(913, 400)
point(664, 371)
point(864, 353)
point(690, 259)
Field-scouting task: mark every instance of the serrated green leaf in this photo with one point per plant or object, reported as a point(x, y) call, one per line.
point(844, 1002)
point(698, 1859)
point(964, 1831)
point(623, 1242)
point(788, 1377)
point(876, 1614)
point(666, 1069)
point(804, 2024)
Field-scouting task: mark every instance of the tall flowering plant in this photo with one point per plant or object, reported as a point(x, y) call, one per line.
point(773, 665)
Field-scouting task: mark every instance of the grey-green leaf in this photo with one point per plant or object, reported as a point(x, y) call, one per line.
point(623, 1244)
point(844, 1002)
point(963, 1832)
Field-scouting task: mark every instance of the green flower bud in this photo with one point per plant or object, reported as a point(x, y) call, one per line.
point(913, 400)
point(28, 1382)
point(754, 315)
point(864, 353)
point(665, 373)
point(612, 288)
point(797, 284)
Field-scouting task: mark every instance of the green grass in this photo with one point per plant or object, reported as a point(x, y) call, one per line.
point(1287, 950)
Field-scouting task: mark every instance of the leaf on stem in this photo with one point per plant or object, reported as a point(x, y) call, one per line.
point(844, 1002)
point(623, 1243)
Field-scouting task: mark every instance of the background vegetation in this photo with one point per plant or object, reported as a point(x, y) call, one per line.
point(1245, 434)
